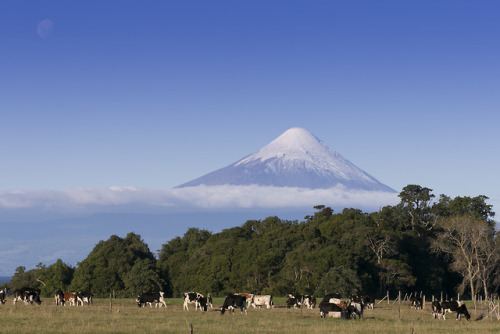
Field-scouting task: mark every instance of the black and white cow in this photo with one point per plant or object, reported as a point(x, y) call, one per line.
point(86, 297)
point(28, 295)
point(454, 306)
point(150, 298)
point(197, 299)
point(3, 294)
point(332, 310)
point(416, 302)
point(248, 296)
point(59, 297)
point(234, 301)
point(356, 309)
point(367, 301)
point(436, 309)
point(297, 300)
point(262, 300)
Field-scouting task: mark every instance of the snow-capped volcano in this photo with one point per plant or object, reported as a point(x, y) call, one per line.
point(295, 159)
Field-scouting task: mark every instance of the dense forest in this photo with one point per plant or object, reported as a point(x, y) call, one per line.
point(421, 244)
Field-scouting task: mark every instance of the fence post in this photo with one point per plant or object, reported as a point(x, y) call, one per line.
point(110, 303)
point(387, 297)
point(399, 298)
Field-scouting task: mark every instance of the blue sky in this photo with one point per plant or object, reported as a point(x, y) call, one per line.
point(153, 94)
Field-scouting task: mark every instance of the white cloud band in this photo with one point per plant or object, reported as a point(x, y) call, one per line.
point(204, 197)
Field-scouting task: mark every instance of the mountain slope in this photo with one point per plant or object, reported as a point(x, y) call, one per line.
point(295, 159)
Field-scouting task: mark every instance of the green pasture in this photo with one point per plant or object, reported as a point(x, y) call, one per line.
point(123, 316)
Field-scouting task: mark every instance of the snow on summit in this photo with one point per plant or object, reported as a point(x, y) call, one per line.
point(293, 144)
point(295, 159)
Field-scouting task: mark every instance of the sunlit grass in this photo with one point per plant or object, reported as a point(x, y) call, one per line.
point(123, 316)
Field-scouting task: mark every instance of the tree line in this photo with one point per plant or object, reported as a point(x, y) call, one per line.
point(421, 244)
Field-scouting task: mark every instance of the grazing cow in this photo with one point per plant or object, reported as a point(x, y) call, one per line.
point(262, 300)
point(296, 301)
point(248, 297)
point(233, 301)
point(3, 293)
point(28, 295)
point(454, 306)
point(59, 298)
point(86, 297)
point(436, 309)
point(194, 298)
point(150, 298)
point(333, 310)
point(416, 302)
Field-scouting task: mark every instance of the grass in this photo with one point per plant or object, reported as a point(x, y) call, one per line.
point(126, 317)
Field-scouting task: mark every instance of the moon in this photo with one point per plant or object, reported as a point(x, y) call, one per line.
point(45, 28)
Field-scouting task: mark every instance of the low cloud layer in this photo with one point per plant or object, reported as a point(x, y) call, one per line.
point(86, 200)
point(90, 215)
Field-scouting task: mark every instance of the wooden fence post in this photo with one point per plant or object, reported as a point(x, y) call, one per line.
point(399, 298)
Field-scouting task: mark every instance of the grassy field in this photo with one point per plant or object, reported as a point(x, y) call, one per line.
point(125, 317)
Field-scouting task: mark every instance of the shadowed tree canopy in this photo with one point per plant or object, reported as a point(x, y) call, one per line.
point(107, 267)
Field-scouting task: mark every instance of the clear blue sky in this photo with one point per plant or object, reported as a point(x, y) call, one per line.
point(156, 93)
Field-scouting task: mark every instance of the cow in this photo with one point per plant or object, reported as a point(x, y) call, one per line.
point(3, 293)
point(150, 298)
point(248, 297)
point(262, 300)
point(86, 297)
point(333, 310)
point(70, 298)
point(59, 297)
point(234, 301)
point(454, 306)
point(416, 302)
point(195, 298)
point(296, 301)
point(367, 301)
point(356, 309)
point(436, 309)
point(204, 302)
point(28, 295)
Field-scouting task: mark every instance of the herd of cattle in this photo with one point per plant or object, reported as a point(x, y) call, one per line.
point(331, 306)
